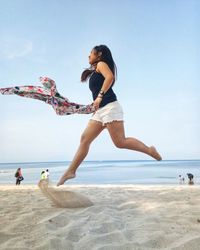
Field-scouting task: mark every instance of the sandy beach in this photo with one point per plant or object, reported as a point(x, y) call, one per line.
point(122, 217)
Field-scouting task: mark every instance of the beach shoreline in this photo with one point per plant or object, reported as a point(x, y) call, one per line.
point(122, 217)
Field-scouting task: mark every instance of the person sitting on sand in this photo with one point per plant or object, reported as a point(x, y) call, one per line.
point(108, 112)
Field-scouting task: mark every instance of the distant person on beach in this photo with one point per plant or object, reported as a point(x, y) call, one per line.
point(18, 176)
point(181, 179)
point(47, 173)
point(190, 177)
point(108, 112)
point(44, 174)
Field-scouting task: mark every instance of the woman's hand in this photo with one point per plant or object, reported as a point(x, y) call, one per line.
point(97, 102)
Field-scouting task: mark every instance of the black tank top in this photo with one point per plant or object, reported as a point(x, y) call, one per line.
point(95, 85)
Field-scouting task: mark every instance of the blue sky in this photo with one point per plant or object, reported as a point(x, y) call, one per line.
point(155, 45)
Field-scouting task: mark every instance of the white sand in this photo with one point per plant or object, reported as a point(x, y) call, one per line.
point(122, 217)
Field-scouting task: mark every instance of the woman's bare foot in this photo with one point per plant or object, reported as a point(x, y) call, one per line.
point(67, 175)
point(154, 153)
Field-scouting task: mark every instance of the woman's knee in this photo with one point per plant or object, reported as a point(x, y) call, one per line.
point(119, 144)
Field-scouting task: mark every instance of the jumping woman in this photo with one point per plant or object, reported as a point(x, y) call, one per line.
point(108, 112)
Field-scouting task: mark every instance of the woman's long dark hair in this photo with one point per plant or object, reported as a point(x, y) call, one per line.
point(106, 57)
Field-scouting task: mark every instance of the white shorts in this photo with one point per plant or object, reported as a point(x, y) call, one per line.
point(109, 113)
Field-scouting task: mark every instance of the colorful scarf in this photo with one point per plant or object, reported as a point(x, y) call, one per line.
point(50, 95)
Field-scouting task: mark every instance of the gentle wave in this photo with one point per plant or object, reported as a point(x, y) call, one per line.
point(106, 172)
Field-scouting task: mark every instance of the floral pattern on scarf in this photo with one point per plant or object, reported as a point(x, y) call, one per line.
point(49, 95)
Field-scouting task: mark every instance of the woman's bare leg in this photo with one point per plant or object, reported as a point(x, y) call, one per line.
point(116, 131)
point(92, 130)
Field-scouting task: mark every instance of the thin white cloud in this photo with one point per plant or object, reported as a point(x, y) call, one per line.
point(12, 48)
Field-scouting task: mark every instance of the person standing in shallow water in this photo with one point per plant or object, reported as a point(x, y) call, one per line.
point(18, 176)
point(108, 112)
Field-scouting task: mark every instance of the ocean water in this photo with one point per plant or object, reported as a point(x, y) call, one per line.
point(106, 172)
